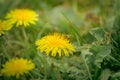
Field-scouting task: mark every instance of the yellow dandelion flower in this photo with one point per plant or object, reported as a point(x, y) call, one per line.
point(22, 17)
point(4, 25)
point(55, 44)
point(17, 67)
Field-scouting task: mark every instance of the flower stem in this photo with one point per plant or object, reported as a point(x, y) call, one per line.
point(24, 34)
point(26, 40)
point(44, 61)
point(6, 53)
point(87, 67)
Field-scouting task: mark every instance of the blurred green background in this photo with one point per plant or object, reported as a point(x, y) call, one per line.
point(91, 25)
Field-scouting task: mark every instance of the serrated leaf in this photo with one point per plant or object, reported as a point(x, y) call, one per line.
point(100, 53)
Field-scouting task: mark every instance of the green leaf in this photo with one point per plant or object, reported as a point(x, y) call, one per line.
point(86, 52)
point(105, 74)
point(116, 76)
point(98, 33)
point(100, 52)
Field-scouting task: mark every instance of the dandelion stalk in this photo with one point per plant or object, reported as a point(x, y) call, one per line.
point(26, 39)
point(24, 34)
point(6, 53)
point(44, 61)
point(26, 42)
point(86, 65)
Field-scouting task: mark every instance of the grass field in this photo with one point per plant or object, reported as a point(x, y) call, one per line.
point(59, 40)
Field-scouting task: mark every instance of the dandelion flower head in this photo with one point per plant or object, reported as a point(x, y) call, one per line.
point(22, 17)
point(4, 25)
point(55, 44)
point(17, 67)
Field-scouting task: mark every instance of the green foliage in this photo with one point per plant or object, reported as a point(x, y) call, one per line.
point(98, 33)
point(88, 25)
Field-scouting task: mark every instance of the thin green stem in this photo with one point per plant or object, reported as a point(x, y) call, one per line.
point(26, 39)
point(16, 42)
point(77, 38)
point(75, 5)
point(87, 68)
point(5, 52)
point(72, 26)
point(36, 73)
point(24, 35)
point(31, 75)
point(41, 32)
point(44, 61)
